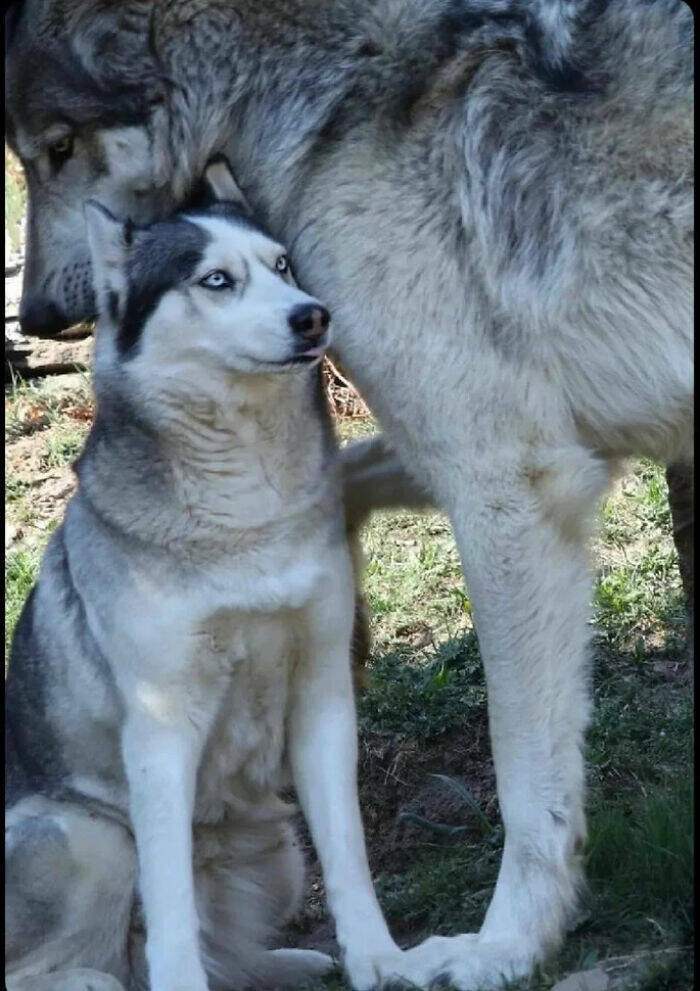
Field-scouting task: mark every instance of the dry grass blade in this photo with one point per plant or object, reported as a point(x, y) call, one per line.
point(344, 399)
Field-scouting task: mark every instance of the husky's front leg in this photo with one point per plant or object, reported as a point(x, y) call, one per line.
point(323, 754)
point(161, 760)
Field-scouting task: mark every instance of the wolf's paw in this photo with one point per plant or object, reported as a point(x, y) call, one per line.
point(468, 962)
point(388, 970)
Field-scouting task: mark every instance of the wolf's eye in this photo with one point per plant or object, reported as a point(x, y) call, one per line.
point(217, 279)
point(282, 264)
point(60, 151)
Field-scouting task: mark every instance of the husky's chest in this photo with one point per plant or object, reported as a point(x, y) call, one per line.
point(214, 649)
point(243, 651)
point(246, 663)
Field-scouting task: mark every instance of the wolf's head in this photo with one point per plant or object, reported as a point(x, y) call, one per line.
point(82, 96)
point(197, 296)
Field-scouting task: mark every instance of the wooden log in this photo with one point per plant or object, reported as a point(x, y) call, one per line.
point(32, 357)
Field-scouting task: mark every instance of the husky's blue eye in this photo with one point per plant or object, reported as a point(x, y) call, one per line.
point(282, 264)
point(217, 280)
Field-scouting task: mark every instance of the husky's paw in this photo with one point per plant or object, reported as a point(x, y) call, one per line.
point(469, 962)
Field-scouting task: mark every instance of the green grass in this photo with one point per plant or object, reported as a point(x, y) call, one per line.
point(21, 568)
point(63, 448)
point(425, 696)
point(640, 860)
point(35, 405)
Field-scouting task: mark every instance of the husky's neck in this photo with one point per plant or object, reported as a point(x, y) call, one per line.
point(180, 466)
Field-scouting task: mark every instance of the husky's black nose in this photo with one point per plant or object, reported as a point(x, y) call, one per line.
point(40, 317)
point(309, 320)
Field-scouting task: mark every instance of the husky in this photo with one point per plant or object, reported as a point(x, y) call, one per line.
point(494, 197)
point(189, 638)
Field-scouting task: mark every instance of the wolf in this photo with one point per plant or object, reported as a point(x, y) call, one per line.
point(189, 638)
point(495, 199)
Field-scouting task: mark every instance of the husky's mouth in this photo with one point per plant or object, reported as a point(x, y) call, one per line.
point(311, 354)
point(306, 360)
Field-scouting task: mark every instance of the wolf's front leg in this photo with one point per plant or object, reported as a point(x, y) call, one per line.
point(522, 530)
point(323, 753)
point(161, 760)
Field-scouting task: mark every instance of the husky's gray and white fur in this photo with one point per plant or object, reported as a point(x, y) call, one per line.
point(188, 637)
point(495, 198)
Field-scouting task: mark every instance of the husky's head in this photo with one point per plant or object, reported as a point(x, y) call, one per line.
point(199, 295)
point(82, 96)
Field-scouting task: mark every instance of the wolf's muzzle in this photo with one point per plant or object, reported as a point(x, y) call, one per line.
point(41, 318)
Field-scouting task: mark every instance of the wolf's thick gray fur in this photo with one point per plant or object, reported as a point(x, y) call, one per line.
point(495, 197)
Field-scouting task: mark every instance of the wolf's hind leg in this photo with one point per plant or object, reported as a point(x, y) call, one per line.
point(69, 890)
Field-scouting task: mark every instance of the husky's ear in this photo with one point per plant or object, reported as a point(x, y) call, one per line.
point(219, 183)
point(108, 238)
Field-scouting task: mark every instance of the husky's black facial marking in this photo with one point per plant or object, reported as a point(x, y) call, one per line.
point(161, 256)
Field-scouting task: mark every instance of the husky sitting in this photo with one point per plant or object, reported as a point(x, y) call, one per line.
point(188, 637)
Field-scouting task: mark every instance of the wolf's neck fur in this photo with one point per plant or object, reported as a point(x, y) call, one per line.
point(181, 468)
point(286, 83)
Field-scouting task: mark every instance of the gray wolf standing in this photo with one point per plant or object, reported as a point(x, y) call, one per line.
point(495, 197)
point(189, 635)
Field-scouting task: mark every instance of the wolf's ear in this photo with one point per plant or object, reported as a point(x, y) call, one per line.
point(108, 238)
point(219, 183)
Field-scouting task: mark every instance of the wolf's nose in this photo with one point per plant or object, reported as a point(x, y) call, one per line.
point(40, 317)
point(309, 320)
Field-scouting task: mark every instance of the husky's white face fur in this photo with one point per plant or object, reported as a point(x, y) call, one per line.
point(205, 288)
point(237, 306)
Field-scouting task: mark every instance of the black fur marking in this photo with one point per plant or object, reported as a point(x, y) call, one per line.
point(569, 75)
point(161, 256)
point(202, 202)
point(113, 305)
